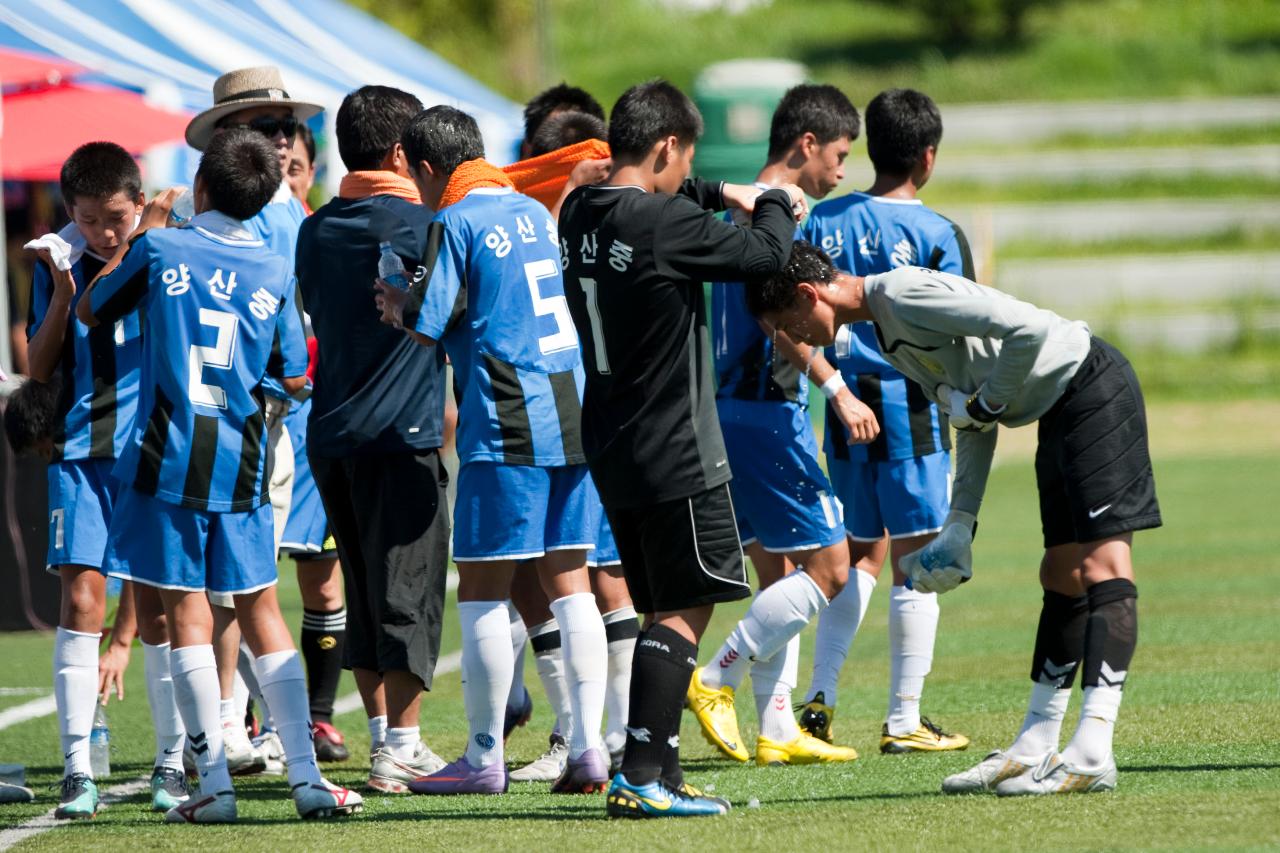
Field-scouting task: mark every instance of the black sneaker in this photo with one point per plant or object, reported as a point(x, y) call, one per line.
point(168, 789)
point(816, 716)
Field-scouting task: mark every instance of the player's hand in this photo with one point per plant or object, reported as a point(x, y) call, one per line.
point(111, 667)
point(156, 213)
point(799, 204)
point(390, 301)
point(740, 197)
point(956, 404)
point(589, 172)
point(64, 284)
point(947, 561)
point(856, 416)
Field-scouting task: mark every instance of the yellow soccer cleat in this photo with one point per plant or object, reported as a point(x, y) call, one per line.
point(805, 749)
point(816, 717)
point(927, 738)
point(713, 706)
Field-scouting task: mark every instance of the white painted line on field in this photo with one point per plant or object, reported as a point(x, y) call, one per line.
point(24, 691)
point(41, 707)
point(446, 664)
point(45, 822)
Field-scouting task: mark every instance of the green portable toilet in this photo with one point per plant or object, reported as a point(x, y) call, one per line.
point(737, 99)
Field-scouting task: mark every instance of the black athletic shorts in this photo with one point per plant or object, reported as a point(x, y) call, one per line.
point(1093, 468)
point(681, 553)
point(389, 515)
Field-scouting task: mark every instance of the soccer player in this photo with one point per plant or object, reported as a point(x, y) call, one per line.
point(492, 296)
point(895, 490)
point(636, 250)
point(786, 511)
point(97, 372)
point(985, 358)
point(558, 100)
point(375, 431)
point(193, 513)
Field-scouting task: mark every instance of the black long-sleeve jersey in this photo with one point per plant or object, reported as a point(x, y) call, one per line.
point(634, 263)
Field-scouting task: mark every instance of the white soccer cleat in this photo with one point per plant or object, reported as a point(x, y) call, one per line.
point(1055, 776)
point(205, 808)
point(325, 800)
point(242, 758)
point(392, 775)
point(985, 775)
point(271, 749)
point(546, 767)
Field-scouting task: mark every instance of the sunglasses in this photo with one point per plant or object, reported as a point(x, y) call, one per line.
point(269, 126)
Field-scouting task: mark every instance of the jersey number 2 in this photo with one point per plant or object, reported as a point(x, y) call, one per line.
point(218, 356)
point(563, 337)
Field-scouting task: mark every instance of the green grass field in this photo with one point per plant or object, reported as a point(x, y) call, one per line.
point(1199, 758)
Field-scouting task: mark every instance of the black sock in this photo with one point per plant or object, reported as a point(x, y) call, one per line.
point(660, 672)
point(1112, 632)
point(324, 633)
point(1060, 639)
point(672, 772)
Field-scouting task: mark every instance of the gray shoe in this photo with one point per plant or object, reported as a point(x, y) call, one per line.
point(392, 775)
point(997, 767)
point(1055, 776)
point(546, 767)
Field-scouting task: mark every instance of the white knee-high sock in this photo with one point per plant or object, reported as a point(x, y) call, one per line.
point(586, 665)
point(195, 686)
point(621, 629)
point(913, 626)
point(284, 685)
point(75, 691)
point(1042, 726)
point(1090, 746)
point(776, 615)
point(837, 627)
point(519, 639)
point(244, 667)
point(165, 718)
point(548, 658)
point(486, 676)
point(772, 681)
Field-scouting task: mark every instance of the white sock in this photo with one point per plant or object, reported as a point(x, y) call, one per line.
point(195, 687)
point(1090, 746)
point(165, 719)
point(284, 686)
point(1042, 726)
point(75, 691)
point(244, 667)
point(586, 665)
point(776, 615)
point(227, 707)
point(913, 626)
point(549, 662)
point(772, 682)
point(486, 676)
point(617, 695)
point(401, 741)
point(837, 626)
point(378, 730)
point(519, 639)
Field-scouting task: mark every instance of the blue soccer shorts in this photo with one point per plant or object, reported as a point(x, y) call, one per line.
point(606, 551)
point(82, 494)
point(907, 497)
point(307, 530)
point(781, 495)
point(519, 512)
point(162, 544)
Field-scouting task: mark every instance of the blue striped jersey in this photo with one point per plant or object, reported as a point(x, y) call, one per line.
point(277, 225)
point(494, 297)
point(219, 314)
point(864, 234)
point(99, 369)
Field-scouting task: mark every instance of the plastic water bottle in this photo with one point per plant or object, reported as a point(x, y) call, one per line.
point(184, 207)
point(100, 744)
point(391, 268)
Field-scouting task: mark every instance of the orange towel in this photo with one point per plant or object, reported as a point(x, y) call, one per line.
point(378, 182)
point(472, 175)
point(543, 178)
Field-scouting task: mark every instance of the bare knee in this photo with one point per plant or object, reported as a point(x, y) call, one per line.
point(828, 568)
point(84, 592)
point(1060, 570)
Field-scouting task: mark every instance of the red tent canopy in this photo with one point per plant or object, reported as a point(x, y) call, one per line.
point(19, 68)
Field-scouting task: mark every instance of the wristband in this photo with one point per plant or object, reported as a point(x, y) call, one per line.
point(978, 409)
point(832, 386)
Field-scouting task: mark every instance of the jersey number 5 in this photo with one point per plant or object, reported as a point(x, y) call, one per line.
point(218, 356)
point(563, 337)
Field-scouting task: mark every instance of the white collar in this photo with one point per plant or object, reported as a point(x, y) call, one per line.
point(222, 227)
point(283, 193)
point(887, 200)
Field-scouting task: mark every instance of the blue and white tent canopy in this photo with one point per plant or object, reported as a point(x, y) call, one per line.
point(172, 50)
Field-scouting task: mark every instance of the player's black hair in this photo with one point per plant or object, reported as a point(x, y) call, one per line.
point(240, 171)
point(369, 124)
point(901, 124)
point(777, 292)
point(31, 413)
point(308, 141)
point(444, 137)
point(566, 129)
point(647, 113)
point(821, 110)
point(99, 170)
point(561, 97)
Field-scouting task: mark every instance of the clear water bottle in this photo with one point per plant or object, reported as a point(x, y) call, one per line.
point(184, 207)
point(391, 268)
point(100, 744)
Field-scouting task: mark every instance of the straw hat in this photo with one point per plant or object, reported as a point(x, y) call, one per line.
point(241, 89)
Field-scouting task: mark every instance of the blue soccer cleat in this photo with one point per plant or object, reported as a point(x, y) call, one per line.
point(657, 800)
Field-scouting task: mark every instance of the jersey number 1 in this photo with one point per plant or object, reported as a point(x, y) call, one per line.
point(218, 356)
point(597, 328)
